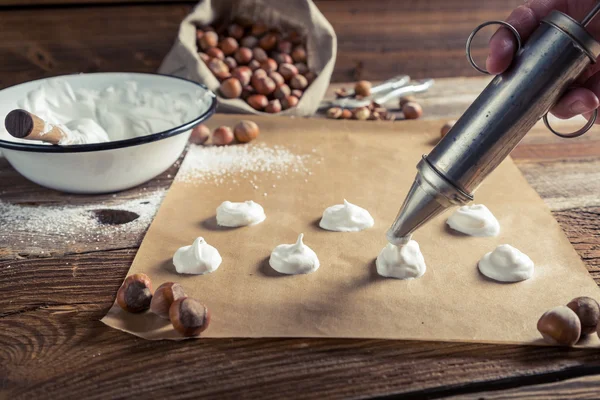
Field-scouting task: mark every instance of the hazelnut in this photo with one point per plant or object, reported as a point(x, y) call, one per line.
point(199, 34)
point(243, 55)
point(285, 46)
point(288, 71)
point(295, 37)
point(341, 93)
point(249, 41)
point(235, 31)
point(245, 22)
point(560, 326)
point(362, 113)
point(375, 116)
point(260, 73)
point(407, 99)
point(310, 76)
point(209, 40)
point(268, 42)
point(189, 317)
point(259, 29)
point(297, 93)
point(229, 46)
point(243, 74)
point(298, 82)
point(218, 68)
point(273, 107)
point(222, 136)
point(412, 110)
point(302, 68)
point(246, 131)
point(200, 134)
point(363, 88)
point(263, 85)
point(346, 114)
point(231, 88)
point(282, 91)
point(230, 62)
point(334, 113)
point(247, 91)
point(289, 102)
point(259, 54)
point(588, 311)
point(135, 294)
point(277, 78)
point(257, 101)
point(215, 52)
point(299, 54)
point(254, 65)
point(204, 57)
point(269, 65)
point(164, 296)
point(281, 58)
point(446, 128)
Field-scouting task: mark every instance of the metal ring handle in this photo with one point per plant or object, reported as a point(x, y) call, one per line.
point(472, 35)
point(580, 132)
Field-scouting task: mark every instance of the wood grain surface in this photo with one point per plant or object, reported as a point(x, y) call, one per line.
point(54, 293)
point(376, 39)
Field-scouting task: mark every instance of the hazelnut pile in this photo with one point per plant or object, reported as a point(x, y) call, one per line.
point(564, 325)
point(373, 112)
point(263, 66)
point(188, 316)
point(245, 131)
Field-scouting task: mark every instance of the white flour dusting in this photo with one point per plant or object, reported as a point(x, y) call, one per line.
point(219, 164)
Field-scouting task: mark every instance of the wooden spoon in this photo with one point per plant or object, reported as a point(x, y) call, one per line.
point(25, 125)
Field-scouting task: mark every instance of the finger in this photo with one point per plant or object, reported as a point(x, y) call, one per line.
point(574, 102)
point(593, 84)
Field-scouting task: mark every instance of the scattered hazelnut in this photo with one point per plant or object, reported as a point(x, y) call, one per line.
point(254, 65)
point(135, 294)
point(222, 136)
point(268, 42)
point(362, 113)
point(277, 78)
point(588, 311)
point(298, 93)
point(257, 101)
point(263, 85)
point(246, 131)
point(412, 110)
point(230, 62)
point(334, 113)
point(164, 296)
point(249, 41)
point(243, 55)
point(259, 54)
point(390, 117)
point(273, 107)
point(235, 31)
point(310, 76)
point(446, 128)
point(375, 116)
point(346, 114)
point(269, 65)
point(298, 82)
point(299, 54)
point(341, 92)
point(285, 46)
point(229, 46)
point(282, 58)
point(200, 134)
point(282, 91)
point(289, 102)
point(407, 99)
point(560, 326)
point(208, 40)
point(301, 67)
point(231, 88)
point(363, 88)
point(288, 71)
point(204, 57)
point(215, 52)
point(259, 29)
point(218, 68)
point(243, 74)
point(189, 317)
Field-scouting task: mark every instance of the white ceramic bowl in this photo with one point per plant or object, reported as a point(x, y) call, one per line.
point(102, 167)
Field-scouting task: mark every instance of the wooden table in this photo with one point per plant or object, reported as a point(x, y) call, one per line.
point(56, 287)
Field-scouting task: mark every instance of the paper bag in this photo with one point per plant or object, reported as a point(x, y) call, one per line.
point(301, 15)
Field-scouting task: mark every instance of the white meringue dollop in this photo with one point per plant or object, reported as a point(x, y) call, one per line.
point(232, 214)
point(200, 258)
point(506, 264)
point(346, 217)
point(474, 220)
point(401, 262)
point(294, 259)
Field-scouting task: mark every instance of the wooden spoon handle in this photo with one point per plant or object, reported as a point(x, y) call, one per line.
point(25, 125)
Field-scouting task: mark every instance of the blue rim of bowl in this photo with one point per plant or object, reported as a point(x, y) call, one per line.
point(117, 144)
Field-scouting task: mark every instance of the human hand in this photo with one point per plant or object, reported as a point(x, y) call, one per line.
point(526, 18)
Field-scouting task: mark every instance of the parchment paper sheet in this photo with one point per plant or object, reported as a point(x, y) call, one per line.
point(372, 164)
